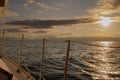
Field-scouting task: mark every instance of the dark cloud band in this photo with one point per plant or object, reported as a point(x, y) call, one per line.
point(44, 24)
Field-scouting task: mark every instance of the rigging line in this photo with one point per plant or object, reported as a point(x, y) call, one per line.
point(55, 41)
point(84, 44)
point(94, 44)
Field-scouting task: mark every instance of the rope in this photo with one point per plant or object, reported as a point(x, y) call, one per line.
point(94, 44)
point(55, 41)
point(84, 44)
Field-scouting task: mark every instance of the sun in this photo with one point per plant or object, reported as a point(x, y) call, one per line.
point(105, 21)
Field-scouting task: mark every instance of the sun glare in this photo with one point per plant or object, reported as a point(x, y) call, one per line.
point(105, 21)
point(105, 43)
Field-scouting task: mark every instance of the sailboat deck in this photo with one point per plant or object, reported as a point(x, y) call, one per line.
point(10, 67)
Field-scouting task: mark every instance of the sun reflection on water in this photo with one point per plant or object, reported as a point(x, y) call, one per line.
point(105, 43)
point(104, 59)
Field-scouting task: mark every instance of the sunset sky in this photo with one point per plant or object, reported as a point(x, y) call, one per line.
point(62, 18)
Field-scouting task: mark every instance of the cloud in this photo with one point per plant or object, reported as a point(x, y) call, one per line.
point(40, 4)
point(29, 2)
point(40, 31)
point(14, 30)
point(60, 4)
point(116, 18)
point(46, 7)
point(65, 34)
point(107, 8)
point(11, 14)
point(39, 11)
point(45, 24)
point(25, 4)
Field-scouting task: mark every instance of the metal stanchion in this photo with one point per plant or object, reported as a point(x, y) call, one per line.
point(42, 59)
point(67, 60)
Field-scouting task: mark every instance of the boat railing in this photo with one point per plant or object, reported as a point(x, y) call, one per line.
point(43, 54)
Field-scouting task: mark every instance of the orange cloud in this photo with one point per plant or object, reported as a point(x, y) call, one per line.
point(11, 14)
point(46, 7)
point(106, 7)
point(29, 2)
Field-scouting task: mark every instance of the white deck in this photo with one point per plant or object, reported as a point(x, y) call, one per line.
point(7, 65)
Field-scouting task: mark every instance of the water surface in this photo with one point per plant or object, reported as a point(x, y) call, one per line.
point(88, 60)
